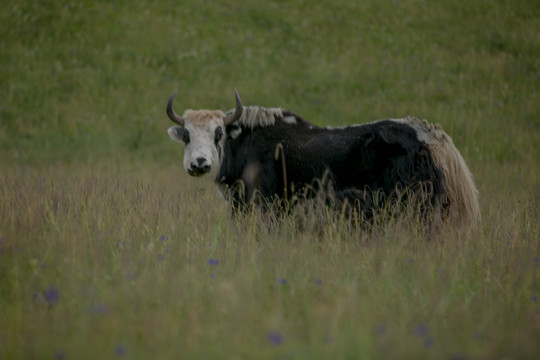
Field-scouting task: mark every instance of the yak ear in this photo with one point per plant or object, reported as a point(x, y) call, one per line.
point(233, 131)
point(178, 133)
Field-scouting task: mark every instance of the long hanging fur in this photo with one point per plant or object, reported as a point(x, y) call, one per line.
point(458, 181)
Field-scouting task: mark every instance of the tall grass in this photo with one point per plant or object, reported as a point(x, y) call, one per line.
point(107, 249)
point(100, 264)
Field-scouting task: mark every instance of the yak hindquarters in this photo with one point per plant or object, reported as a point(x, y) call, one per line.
point(460, 191)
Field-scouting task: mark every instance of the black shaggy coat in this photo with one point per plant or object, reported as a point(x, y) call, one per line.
point(355, 162)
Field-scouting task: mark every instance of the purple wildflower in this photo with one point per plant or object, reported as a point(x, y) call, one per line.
point(120, 350)
point(283, 281)
point(534, 298)
point(51, 295)
point(318, 281)
point(212, 275)
point(59, 355)
point(161, 257)
point(100, 309)
point(421, 330)
point(275, 338)
point(213, 262)
point(162, 238)
point(380, 330)
point(428, 342)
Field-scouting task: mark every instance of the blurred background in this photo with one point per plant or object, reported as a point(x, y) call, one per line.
point(88, 81)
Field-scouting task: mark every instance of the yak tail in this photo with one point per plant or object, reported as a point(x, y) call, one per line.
point(460, 191)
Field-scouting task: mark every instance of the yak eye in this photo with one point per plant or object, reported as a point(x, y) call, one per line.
point(183, 134)
point(219, 133)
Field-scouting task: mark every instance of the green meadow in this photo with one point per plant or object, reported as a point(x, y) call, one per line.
point(108, 249)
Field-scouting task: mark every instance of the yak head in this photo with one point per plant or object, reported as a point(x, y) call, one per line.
point(203, 133)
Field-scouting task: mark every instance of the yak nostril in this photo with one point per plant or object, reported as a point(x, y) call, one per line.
point(200, 162)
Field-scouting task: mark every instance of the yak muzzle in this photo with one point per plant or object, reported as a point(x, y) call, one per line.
point(199, 167)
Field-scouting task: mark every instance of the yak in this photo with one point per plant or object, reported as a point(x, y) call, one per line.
point(260, 155)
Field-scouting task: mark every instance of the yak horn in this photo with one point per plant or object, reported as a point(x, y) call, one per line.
point(172, 115)
point(237, 112)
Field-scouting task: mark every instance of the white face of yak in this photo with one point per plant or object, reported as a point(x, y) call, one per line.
point(203, 135)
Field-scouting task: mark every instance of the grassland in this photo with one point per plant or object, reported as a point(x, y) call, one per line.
point(107, 249)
